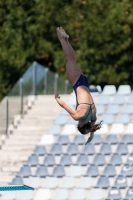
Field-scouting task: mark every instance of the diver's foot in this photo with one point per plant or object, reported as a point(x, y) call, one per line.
point(61, 33)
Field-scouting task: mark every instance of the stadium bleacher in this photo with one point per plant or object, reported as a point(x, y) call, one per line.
point(61, 167)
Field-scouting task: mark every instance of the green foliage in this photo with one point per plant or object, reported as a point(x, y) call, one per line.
point(100, 32)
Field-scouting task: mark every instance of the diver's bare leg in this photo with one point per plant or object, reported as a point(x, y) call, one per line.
point(72, 69)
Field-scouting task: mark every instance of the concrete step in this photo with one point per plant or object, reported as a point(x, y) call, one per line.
point(27, 134)
point(33, 128)
point(6, 178)
point(10, 170)
point(24, 137)
point(23, 152)
point(36, 123)
point(21, 142)
point(41, 113)
point(34, 119)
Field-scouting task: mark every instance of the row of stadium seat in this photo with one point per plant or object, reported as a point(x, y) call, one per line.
point(84, 182)
point(111, 90)
point(72, 149)
point(79, 140)
point(83, 159)
point(115, 109)
point(118, 99)
point(70, 129)
point(76, 170)
point(97, 140)
point(62, 194)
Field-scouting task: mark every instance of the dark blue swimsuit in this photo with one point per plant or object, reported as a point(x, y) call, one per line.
point(82, 81)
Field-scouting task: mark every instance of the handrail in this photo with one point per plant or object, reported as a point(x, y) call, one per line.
point(37, 80)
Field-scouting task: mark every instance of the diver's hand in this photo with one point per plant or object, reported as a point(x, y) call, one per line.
point(59, 101)
point(57, 95)
point(90, 138)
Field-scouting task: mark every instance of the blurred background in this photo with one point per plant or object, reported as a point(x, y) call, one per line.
point(100, 32)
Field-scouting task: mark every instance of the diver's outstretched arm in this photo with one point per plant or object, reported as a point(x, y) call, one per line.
point(90, 138)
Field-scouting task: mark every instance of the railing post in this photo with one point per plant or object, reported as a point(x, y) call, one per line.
point(34, 78)
point(66, 86)
point(56, 83)
point(46, 81)
point(21, 96)
point(7, 115)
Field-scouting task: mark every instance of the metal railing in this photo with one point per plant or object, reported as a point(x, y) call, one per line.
point(37, 80)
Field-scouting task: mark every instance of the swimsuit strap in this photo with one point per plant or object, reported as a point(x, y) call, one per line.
point(83, 103)
point(86, 103)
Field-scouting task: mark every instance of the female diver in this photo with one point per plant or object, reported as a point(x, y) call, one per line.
point(85, 112)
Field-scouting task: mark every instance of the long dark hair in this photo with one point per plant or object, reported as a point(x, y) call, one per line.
point(89, 127)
